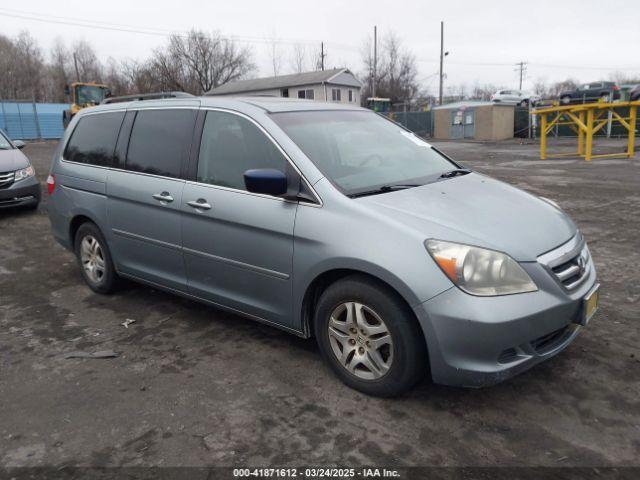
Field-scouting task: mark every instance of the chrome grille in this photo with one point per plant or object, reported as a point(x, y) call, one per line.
point(570, 264)
point(6, 179)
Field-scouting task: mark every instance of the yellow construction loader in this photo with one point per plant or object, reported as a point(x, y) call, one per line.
point(83, 95)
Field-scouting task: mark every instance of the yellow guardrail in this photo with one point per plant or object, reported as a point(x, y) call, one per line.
point(586, 120)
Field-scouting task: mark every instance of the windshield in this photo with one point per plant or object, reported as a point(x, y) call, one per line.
point(361, 151)
point(4, 142)
point(86, 94)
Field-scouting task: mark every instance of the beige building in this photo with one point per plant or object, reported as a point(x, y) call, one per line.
point(476, 120)
point(335, 85)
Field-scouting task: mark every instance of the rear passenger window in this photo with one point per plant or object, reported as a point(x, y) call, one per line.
point(160, 139)
point(231, 145)
point(93, 141)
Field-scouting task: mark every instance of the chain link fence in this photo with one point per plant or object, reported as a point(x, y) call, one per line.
point(420, 123)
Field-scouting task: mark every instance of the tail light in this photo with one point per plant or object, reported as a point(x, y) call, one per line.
point(51, 183)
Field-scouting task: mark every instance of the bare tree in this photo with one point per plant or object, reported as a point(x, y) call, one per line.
point(483, 92)
point(556, 88)
point(22, 67)
point(298, 58)
point(87, 67)
point(273, 48)
point(396, 71)
point(199, 62)
point(621, 77)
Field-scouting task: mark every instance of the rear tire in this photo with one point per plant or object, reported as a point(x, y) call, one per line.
point(369, 337)
point(94, 259)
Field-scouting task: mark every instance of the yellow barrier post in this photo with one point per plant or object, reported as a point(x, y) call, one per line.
point(543, 136)
point(633, 113)
point(587, 153)
point(581, 134)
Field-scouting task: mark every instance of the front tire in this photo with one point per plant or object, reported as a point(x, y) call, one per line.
point(369, 337)
point(95, 260)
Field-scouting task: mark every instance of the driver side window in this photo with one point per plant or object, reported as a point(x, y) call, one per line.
point(230, 145)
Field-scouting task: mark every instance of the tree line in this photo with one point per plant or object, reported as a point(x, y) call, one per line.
point(199, 61)
point(193, 63)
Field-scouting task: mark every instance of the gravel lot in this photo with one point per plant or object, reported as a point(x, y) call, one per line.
point(195, 386)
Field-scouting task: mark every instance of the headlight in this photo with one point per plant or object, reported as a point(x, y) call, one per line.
point(479, 271)
point(25, 173)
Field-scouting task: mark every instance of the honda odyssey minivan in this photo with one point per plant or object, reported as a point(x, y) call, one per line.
point(327, 221)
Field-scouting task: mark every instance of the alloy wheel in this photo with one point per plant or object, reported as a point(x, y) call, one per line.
point(360, 340)
point(92, 258)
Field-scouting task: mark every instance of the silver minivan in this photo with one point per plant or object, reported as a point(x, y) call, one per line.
point(327, 221)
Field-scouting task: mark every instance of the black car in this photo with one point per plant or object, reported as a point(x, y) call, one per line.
point(18, 183)
point(591, 92)
point(634, 93)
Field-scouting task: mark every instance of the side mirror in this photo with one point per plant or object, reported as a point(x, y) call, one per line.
point(19, 144)
point(107, 93)
point(267, 181)
point(67, 90)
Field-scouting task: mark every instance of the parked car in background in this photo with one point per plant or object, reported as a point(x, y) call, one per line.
point(591, 92)
point(634, 93)
point(515, 97)
point(18, 183)
point(327, 221)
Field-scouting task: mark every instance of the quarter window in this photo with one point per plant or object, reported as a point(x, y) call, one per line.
point(93, 141)
point(159, 141)
point(231, 145)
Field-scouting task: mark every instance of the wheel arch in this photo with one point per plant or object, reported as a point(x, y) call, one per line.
point(75, 223)
point(322, 280)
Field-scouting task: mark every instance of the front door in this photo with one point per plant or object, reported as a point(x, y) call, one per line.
point(238, 246)
point(144, 198)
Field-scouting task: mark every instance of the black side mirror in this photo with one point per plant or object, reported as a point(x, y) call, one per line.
point(268, 181)
point(67, 90)
point(19, 144)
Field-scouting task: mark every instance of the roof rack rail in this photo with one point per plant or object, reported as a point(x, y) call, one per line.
point(146, 96)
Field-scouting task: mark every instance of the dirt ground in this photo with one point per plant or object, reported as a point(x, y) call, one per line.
point(194, 386)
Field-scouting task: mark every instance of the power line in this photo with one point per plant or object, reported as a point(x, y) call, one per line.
point(159, 32)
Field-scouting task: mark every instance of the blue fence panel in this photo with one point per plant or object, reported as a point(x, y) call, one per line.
point(50, 117)
point(28, 121)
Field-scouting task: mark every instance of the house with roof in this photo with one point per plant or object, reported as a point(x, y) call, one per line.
point(335, 85)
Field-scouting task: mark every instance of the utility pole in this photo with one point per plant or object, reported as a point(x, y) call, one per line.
point(322, 55)
point(522, 67)
point(441, 58)
point(375, 60)
point(75, 63)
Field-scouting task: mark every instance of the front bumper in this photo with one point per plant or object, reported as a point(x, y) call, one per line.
point(480, 341)
point(21, 193)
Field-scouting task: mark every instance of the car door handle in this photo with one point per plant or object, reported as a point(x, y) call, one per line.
point(163, 197)
point(200, 204)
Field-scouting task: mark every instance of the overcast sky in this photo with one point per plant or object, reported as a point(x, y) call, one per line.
point(585, 40)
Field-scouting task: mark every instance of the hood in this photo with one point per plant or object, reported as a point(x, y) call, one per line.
point(478, 210)
point(13, 159)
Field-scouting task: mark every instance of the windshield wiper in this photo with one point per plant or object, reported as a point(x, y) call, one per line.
point(385, 189)
point(455, 173)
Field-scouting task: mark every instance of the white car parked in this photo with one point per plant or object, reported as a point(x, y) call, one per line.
point(516, 97)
